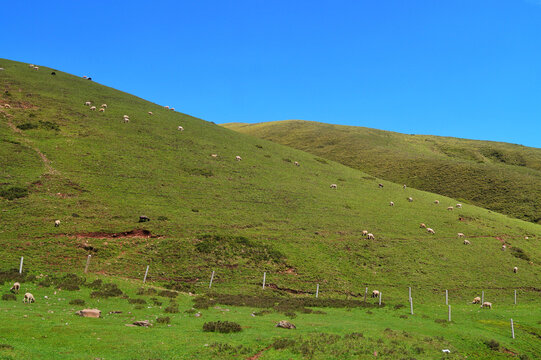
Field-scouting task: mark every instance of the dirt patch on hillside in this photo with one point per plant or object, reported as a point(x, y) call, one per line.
point(136, 233)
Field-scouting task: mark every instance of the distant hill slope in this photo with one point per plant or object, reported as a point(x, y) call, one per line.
point(499, 176)
point(97, 174)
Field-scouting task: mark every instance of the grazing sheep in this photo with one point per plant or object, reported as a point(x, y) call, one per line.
point(486, 304)
point(126, 120)
point(103, 105)
point(172, 109)
point(214, 155)
point(404, 186)
point(526, 238)
point(458, 206)
point(102, 110)
point(422, 226)
point(476, 300)
point(28, 298)
point(85, 77)
point(375, 294)
point(93, 108)
point(15, 288)
point(180, 128)
point(430, 230)
point(436, 202)
point(88, 103)
point(370, 236)
point(515, 269)
point(365, 232)
point(150, 113)
point(380, 185)
point(391, 203)
point(466, 242)
point(504, 247)
point(297, 163)
point(36, 67)
point(450, 208)
point(31, 65)
point(144, 218)
point(410, 199)
point(460, 235)
point(238, 158)
point(56, 223)
point(93, 313)
point(125, 116)
point(7, 106)
point(167, 107)
point(334, 186)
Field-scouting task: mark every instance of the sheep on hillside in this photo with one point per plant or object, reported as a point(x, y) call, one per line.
point(56, 223)
point(486, 304)
point(450, 208)
point(430, 230)
point(28, 298)
point(334, 186)
point(422, 226)
point(404, 186)
point(391, 203)
point(476, 300)
point(466, 242)
point(460, 235)
point(180, 128)
point(36, 67)
point(515, 269)
point(15, 288)
point(102, 109)
point(31, 66)
point(436, 202)
point(126, 120)
point(370, 236)
point(167, 107)
point(380, 185)
point(504, 247)
point(375, 294)
point(238, 158)
point(150, 113)
point(410, 199)
point(365, 232)
point(458, 206)
point(103, 105)
point(88, 103)
point(93, 108)
point(297, 163)
point(85, 77)
point(7, 106)
point(172, 109)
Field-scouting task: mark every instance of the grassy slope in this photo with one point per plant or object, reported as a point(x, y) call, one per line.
point(101, 174)
point(502, 177)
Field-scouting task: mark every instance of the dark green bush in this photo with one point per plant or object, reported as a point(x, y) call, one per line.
point(137, 301)
point(163, 218)
point(47, 125)
point(172, 308)
point(163, 320)
point(6, 347)
point(27, 126)
point(146, 291)
point(14, 192)
point(519, 253)
point(79, 302)
point(8, 297)
point(222, 327)
point(107, 290)
point(96, 284)
point(70, 282)
point(492, 344)
point(169, 294)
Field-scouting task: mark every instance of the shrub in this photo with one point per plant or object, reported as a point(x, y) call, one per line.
point(8, 297)
point(156, 302)
point(14, 192)
point(163, 218)
point(137, 301)
point(190, 311)
point(399, 306)
point(290, 314)
point(222, 327)
point(148, 291)
point(47, 125)
point(27, 126)
point(519, 253)
point(96, 284)
point(172, 308)
point(492, 344)
point(108, 290)
point(259, 146)
point(283, 343)
point(287, 160)
point(79, 302)
point(70, 282)
point(163, 320)
point(46, 282)
point(6, 347)
point(139, 307)
point(167, 293)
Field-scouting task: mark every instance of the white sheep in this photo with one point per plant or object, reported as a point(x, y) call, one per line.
point(375, 293)
point(297, 163)
point(102, 109)
point(56, 223)
point(15, 288)
point(436, 202)
point(103, 105)
point(458, 206)
point(7, 106)
point(476, 300)
point(365, 232)
point(180, 128)
point(172, 109)
point(31, 65)
point(238, 158)
point(93, 108)
point(88, 103)
point(85, 77)
point(370, 236)
point(334, 186)
point(28, 298)
point(391, 203)
point(466, 242)
point(167, 107)
point(410, 199)
point(487, 304)
point(36, 67)
point(150, 113)
point(460, 235)
point(404, 186)
point(504, 247)
point(515, 269)
point(450, 208)
point(214, 155)
point(126, 120)
point(422, 226)
point(430, 230)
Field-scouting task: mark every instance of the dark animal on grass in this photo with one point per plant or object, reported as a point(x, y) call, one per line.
point(143, 218)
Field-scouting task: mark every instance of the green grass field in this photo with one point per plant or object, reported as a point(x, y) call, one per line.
point(97, 175)
point(499, 176)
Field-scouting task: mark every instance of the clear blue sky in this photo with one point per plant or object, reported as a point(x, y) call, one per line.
point(458, 68)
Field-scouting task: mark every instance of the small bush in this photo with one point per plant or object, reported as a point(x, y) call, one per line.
point(163, 218)
point(492, 344)
point(108, 290)
point(14, 192)
point(222, 327)
point(6, 347)
point(27, 126)
point(139, 307)
point(148, 291)
point(287, 160)
point(169, 294)
point(519, 253)
point(323, 161)
point(47, 125)
point(79, 302)
point(403, 316)
point(399, 306)
point(290, 314)
point(96, 284)
point(259, 146)
point(137, 301)
point(354, 335)
point(172, 308)
point(190, 311)
point(163, 320)
point(70, 282)
point(156, 302)
point(46, 282)
point(8, 297)
point(75, 215)
point(283, 343)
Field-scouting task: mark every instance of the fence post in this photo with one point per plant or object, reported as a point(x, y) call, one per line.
point(317, 290)
point(482, 297)
point(211, 278)
point(512, 329)
point(365, 293)
point(446, 297)
point(87, 262)
point(21, 266)
point(264, 279)
point(411, 306)
point(380, 293)
point(515, 297)
point(449, 313)
point(146, 273)
point(409, 295)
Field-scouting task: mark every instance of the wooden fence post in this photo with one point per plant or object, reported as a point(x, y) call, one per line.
point(146, 273)
point(87, 262)
point(21, 266)
point(264, 279)
point(317, 290)
point(512, 329)
point(211, 278)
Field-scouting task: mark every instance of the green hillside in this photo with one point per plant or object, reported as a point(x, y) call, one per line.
point(499, 176)
point(98, 174)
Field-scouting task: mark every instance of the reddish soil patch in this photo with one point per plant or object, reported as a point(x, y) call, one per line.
point(258, 355)
point(136, 233)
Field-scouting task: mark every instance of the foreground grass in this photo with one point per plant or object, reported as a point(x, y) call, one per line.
point(49, 329)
